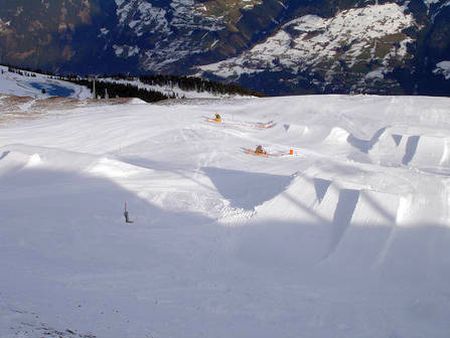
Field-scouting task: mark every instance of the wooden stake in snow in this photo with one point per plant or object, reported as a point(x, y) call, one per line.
point(94, 93)
point(125, 214)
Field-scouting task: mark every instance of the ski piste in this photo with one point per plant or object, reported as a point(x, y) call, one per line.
point(270, 153)
point(253, 125)
point(242, 124)
point(217, 232)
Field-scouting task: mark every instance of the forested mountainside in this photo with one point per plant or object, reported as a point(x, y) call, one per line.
point(26, 82)
point(275, 47)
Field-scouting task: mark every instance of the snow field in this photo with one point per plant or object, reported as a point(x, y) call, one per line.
point(19, 85)
point(348, 238)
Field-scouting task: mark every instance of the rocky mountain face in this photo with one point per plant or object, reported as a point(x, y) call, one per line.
point(273, 46)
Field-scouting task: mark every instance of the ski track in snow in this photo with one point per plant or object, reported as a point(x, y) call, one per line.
point(348, 237)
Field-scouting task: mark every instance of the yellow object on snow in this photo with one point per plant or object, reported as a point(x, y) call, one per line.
point(260, 150)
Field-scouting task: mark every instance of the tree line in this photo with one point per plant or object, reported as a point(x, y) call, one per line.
point(190, 83)
point(111, 89)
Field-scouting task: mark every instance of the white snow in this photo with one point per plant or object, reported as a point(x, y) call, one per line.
point(138, 14)
point(443, 68)
point(125, 51)
point(21, 85)
point(350, 237)
point(376, 74)
point(430, 2)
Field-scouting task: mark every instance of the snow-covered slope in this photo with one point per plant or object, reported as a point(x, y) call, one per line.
point(347, 237)
point(36, 86)
point(443, 68)
point(157, 22)
point(176, 30)
point(25, 83)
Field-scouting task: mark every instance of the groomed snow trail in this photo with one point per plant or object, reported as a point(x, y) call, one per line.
point(348, 237)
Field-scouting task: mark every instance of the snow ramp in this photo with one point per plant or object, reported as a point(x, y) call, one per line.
point(350, 216)
point(394, 149)
point(412, 150)
point(431, 151)
point(313, 199)
point(337, 136)
point(366, 145)
point(12, 160)
point(296, 129)
point(367, 232)
point(305, 200)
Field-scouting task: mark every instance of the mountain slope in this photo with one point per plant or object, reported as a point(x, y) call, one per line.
point(25, 83)
point(352, 51)
point(19, 82)
point(178, 36)
point(348, 237)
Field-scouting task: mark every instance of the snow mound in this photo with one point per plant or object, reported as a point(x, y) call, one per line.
point(337, 135)
point(318, 200)
point(113, 169)
point(432, 151)
point(422, 151)
point(137, 101)
point(34, 161)
point(13, 160)
point(299, 130)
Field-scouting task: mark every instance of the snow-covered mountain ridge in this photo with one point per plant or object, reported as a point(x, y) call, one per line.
point(345, 44)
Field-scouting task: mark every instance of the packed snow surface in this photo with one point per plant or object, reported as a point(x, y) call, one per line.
point(347, 237)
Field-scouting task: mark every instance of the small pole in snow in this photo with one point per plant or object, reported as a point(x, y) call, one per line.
point(94, 94)
point(125, 214)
